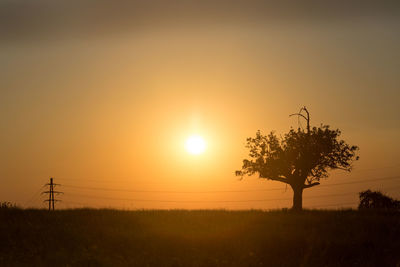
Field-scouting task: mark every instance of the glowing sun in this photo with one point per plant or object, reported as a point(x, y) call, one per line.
point(195, 145)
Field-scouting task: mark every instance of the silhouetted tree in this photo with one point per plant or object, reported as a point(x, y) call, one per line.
point(300, 158)
point(377, 201)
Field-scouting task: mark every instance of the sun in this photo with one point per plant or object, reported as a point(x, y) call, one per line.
point(195, 145)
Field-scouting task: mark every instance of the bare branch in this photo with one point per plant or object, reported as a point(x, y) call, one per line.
point(298, 114)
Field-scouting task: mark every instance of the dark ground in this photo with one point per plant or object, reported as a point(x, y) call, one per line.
point(87, 237)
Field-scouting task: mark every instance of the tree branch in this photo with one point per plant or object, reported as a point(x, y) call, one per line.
point(310, 185)
point(298, 114)
point(279, 179)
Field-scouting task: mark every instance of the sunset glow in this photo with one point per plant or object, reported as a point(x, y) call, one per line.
point(160, 97)
point(199, 133)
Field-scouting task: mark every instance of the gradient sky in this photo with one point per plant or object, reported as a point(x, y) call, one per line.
point(103, 94)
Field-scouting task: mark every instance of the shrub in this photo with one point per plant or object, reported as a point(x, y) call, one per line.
point(8, 205)
point(377, 201)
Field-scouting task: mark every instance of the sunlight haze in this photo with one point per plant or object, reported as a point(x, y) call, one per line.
point(158, 101)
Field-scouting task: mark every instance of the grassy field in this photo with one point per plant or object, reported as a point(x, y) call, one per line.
point(86, 237)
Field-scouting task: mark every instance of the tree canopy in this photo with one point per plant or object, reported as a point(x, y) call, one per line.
point(300, 158)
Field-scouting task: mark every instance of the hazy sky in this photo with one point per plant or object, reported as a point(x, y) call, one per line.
point(103, 94)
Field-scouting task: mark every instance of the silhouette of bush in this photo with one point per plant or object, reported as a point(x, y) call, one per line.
point(7, 205)
point(377, 201)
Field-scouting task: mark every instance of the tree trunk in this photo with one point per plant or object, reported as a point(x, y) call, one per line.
point(297, 198)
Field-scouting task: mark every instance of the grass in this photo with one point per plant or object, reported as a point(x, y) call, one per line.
point(87, 237)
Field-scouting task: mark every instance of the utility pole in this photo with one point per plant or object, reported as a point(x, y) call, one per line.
point(51, 193)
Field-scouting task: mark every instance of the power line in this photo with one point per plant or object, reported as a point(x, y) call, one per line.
point(209, 201)
point(174, 201)
point(214, 201)
point(51, 194)
point(113, 180)
point(223, 191)
point(363, 181)
point(35, 195)
point(166, 191)
point(380, 168)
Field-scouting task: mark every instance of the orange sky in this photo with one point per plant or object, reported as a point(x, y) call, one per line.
point(105, 98)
